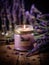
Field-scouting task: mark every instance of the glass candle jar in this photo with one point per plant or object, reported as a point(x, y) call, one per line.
point(23, 37)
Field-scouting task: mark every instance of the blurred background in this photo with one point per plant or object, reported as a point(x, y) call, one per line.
point(42, 5)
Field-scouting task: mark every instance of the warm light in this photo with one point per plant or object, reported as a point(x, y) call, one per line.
point(24, 26)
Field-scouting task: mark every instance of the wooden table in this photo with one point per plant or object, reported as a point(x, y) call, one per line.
point(9, 56)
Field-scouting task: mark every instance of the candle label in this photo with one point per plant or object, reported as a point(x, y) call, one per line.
point(24, 39)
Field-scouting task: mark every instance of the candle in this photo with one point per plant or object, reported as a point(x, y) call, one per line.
point(23, 37)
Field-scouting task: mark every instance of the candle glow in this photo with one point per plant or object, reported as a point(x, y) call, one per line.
point(24, 28)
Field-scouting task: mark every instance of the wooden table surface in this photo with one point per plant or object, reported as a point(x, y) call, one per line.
point(9, 56)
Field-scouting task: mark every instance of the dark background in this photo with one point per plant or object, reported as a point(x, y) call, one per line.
point(42, 5)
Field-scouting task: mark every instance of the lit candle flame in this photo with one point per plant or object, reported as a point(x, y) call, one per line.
point(24, 26)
